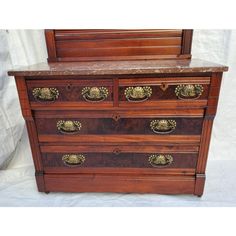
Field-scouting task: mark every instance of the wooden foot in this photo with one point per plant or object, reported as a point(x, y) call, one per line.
point(39, 175)
point(199, 184)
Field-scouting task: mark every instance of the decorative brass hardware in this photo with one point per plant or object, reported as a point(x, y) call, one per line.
point(68, 126)
point(45, 94)
point(94, 94)
point(163, 126)
point(73, 159)
point(138, 94)
point(160, 160)
point(189, 91)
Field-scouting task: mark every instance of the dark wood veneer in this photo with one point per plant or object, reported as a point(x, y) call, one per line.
point(190, 126)
point(117, 159)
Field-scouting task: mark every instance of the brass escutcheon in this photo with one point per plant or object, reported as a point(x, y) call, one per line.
point(189, 91)
point(95, 94)
point(138, 94)
point(73, 159)
point(45, 94)
point(160, 160)
point(68, 126)
point(163, 126)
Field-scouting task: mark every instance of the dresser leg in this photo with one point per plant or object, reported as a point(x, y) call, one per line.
point(47, 192)
point(199, 184)
point(40, 181)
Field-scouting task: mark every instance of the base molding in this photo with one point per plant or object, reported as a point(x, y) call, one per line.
point(119, 183)
point(199, 184)
point(39, 175)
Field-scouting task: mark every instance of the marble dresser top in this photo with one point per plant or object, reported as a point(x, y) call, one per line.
point(118, 67)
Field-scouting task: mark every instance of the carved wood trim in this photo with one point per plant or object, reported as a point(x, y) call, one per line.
point(213, 94)
point(187, 42)
point(23, 97)
point(51, 45)
point(204, 145)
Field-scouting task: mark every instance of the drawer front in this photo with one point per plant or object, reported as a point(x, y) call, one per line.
point(64, 126)
point(69, 92)
point(121, 158)
point(157, 90)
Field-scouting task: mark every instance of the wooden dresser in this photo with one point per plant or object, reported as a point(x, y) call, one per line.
point(120, 111)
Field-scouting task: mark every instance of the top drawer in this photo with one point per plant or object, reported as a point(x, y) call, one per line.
point(70, 92)
point(169, 92)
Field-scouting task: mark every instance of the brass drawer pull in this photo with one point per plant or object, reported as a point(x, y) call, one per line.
point(189, 91)
point(73, 159)
point(138, 94)
point(68, 126)
point(94, 94)
point(163, 126)
point(160, 160)
point(45, 94)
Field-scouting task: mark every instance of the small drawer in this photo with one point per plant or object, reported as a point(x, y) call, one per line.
point(155, 91)
point(70, 92)
point(120, 158)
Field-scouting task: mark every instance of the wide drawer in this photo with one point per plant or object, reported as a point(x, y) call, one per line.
point(62, 125)
point(120, 159)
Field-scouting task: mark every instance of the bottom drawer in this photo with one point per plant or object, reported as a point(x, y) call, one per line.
point(119, 183)
point(119, 160)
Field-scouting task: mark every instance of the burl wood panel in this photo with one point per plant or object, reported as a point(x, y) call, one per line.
point(120, 160)
point(191, 126)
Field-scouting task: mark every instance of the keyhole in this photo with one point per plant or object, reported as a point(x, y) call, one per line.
point(116, 117)
point(69, 87)
point(164, 86)
point(117, 151)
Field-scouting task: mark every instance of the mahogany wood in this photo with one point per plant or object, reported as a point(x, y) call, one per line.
point(139, 139)
point(147, 113)
point(119, 183)
point(87, 45)
point(199, 184)
point(118, 170)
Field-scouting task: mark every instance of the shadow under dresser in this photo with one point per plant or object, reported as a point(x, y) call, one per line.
point(120, 111)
